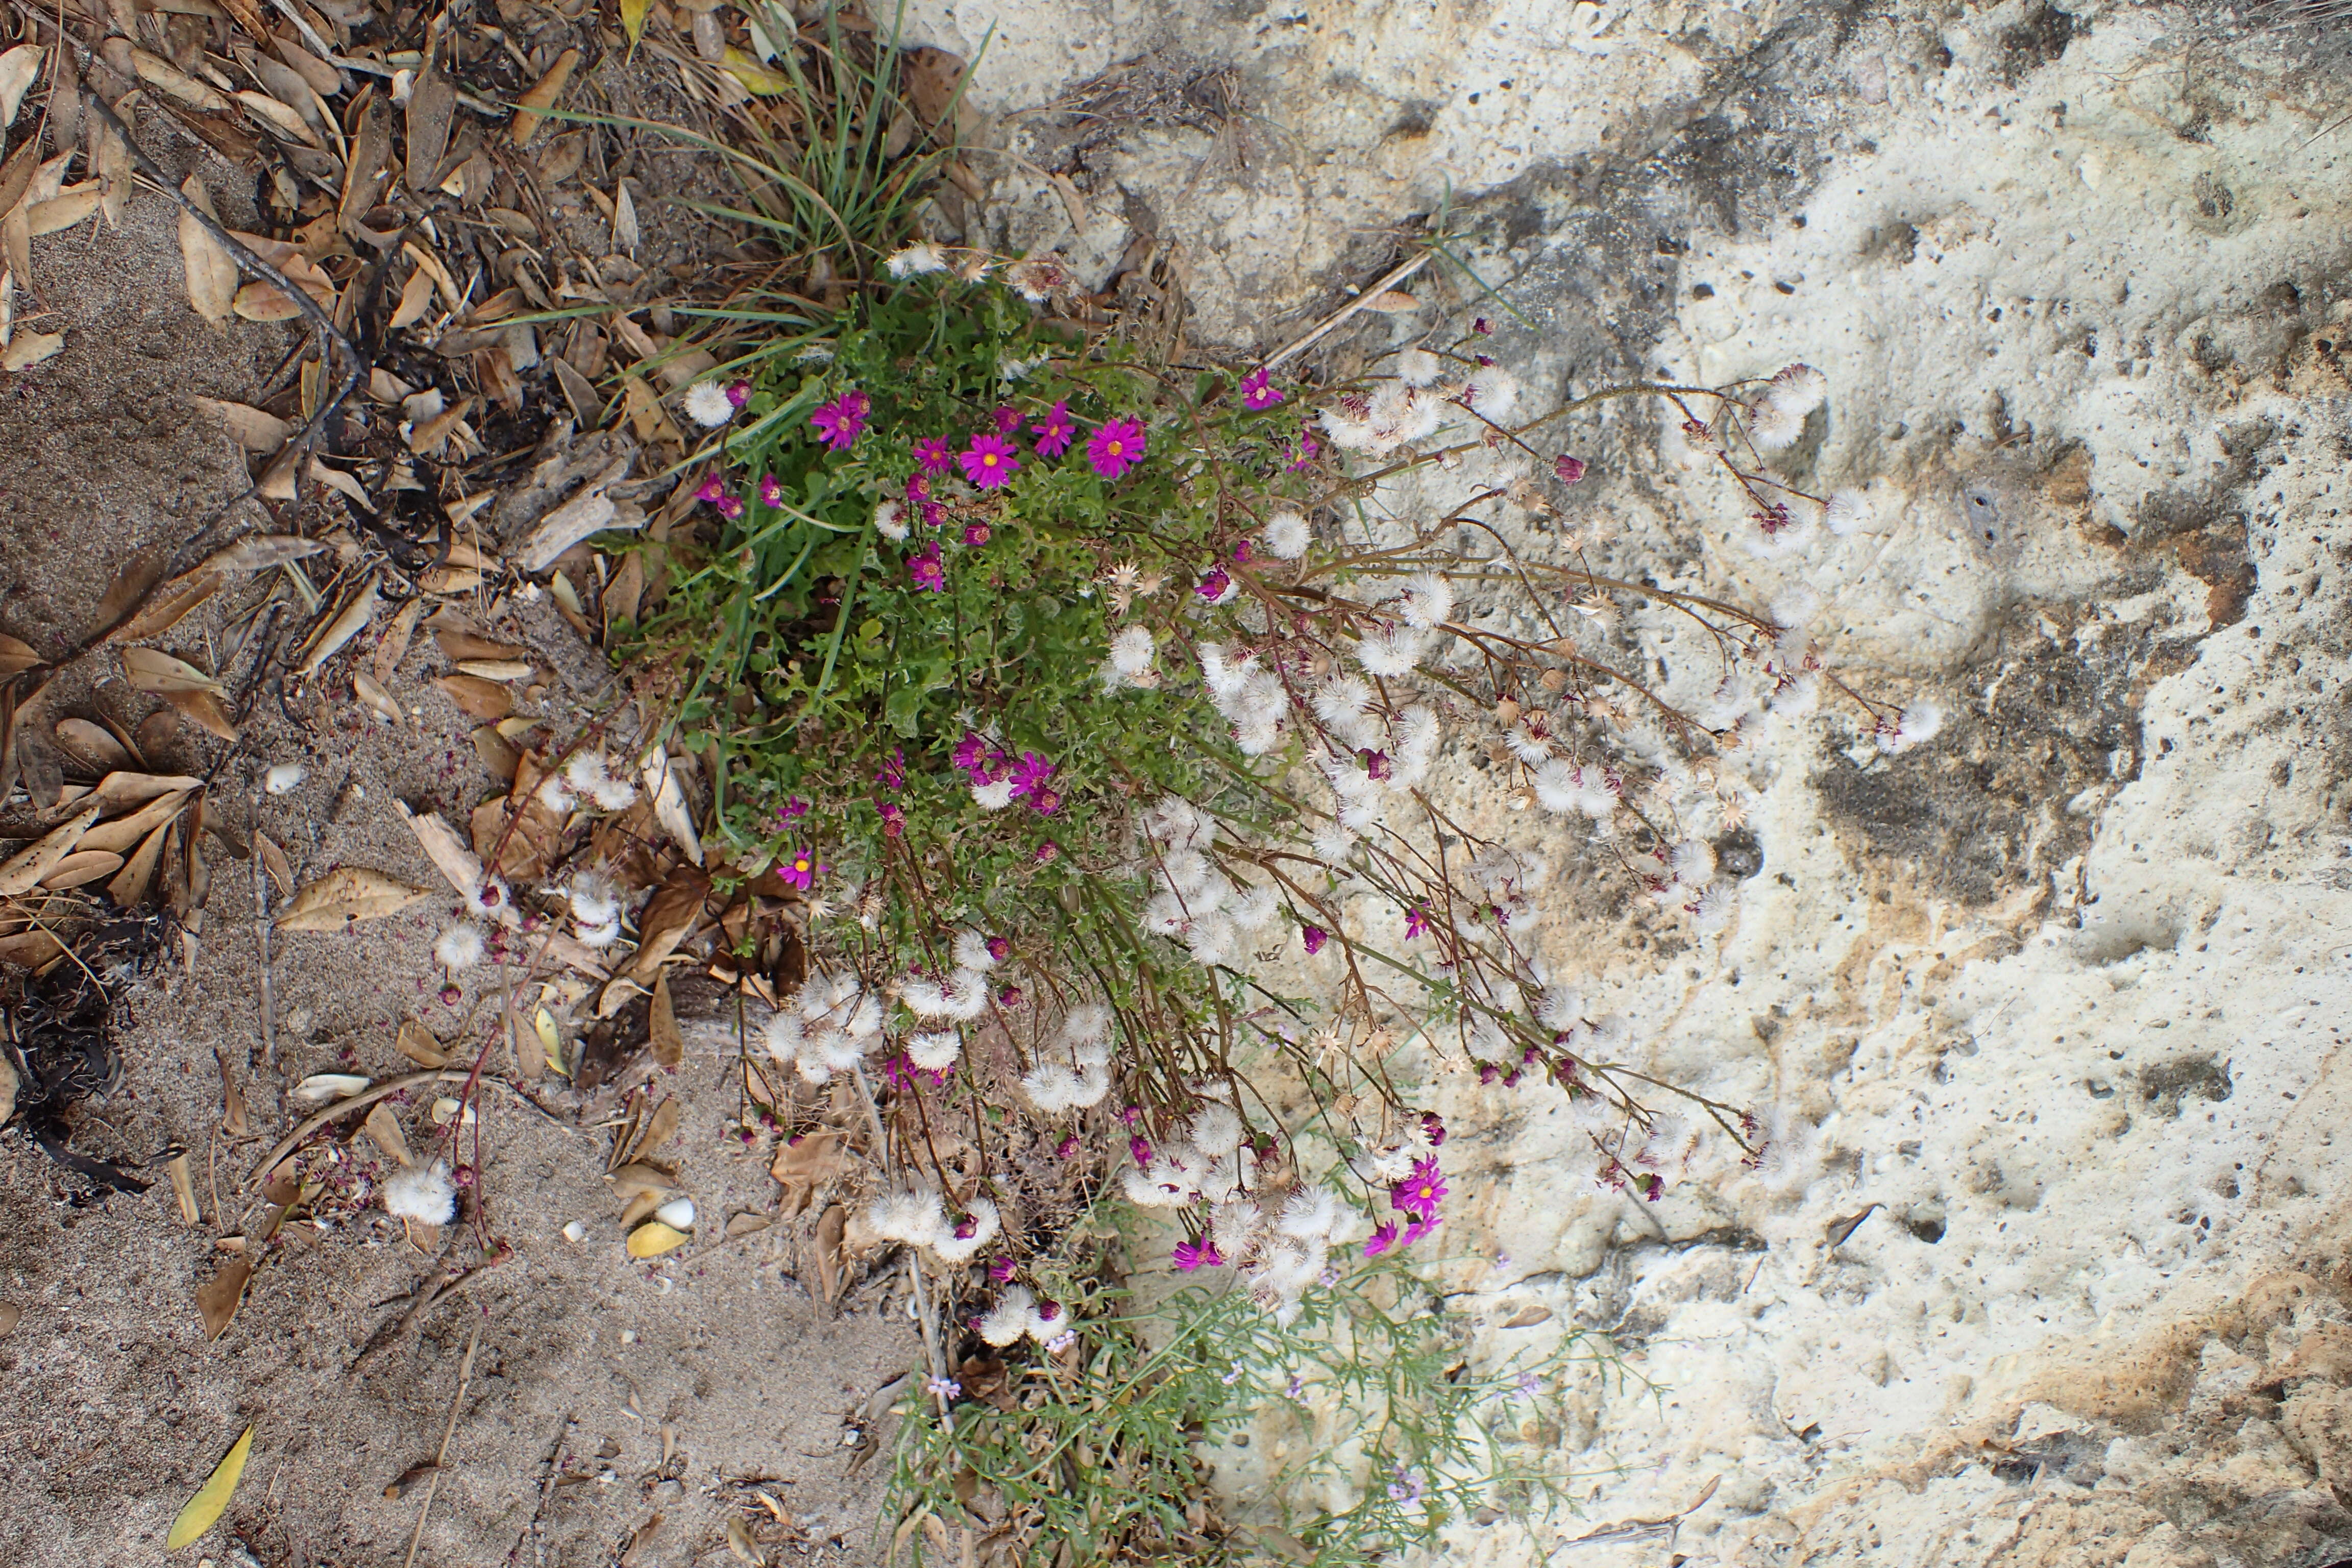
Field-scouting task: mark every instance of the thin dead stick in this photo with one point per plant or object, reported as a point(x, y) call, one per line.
point(262, 933)
point(1349, 309)
point(360, 1102)
point(441, 1456)
point(931, 1352)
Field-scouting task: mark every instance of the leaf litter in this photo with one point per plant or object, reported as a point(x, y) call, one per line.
point(504, 333)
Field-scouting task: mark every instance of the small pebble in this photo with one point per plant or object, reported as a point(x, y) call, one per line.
point(281, 779)
point(576, 1231)
point(678, 1214)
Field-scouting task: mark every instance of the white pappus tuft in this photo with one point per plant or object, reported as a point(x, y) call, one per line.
point(458, 947)
point(1389, 651)
point(708, 404)
point(1913, 725)
point(1418, 367)
point(961, 1242)
point(1798, 390)
point(915, 258)
point(1287, 534)
point(1847, 511)
point(423, 1194)
point(889, 520)
point(1428, 601)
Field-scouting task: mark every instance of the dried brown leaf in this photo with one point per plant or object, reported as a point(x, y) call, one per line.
point(416, 299)
point(132, 884)
point(460, 644)
point(258, 432)
point(379, 701)
point(23, 872)
point(831, 1272)
point(93, 746)
point(396, 637)
point(219, 1300)
point(31, 949)
point(416, 1043)
point(669, 918)
point(29, 348)
point(211, 275)
point(382, 1125)
point(477, 699)
point(119, 792)
point(184, 1189)
point(347, 623)
point(497, 757)
point(167, 606)
point(152, 669)
point(81, 866)
point(668, 1046)
point(19, 67)
point(206, 710)
point(125, 831)
point(805, 1164)
point(260, 552)
point(274, 861)
point(134, 581)
point(344, 895)
point(16, 657)
point(448, 852)
point(542, 95)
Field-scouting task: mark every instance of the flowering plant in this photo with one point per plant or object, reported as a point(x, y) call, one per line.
point(1090, 724)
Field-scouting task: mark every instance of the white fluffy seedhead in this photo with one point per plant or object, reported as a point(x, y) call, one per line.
point(935, 1050)
point(961, 1242)
point(1216, 1129)
point(423, 1194)
point(1287, 534)
point(1010, 1317)
point(1798, 390)
point(458, 947)
point(912, 1214)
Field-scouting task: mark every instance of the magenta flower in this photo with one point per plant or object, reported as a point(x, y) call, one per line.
point(975, 534)
point(730, 507)
point(894, 819)
point(1212, 586)
point(999, 949)
point(1304, 452)
point(1483, 327)
point(1433, 1126)
point(1009, 998)
point(738, 393)
point(1115, 447)
point(1421, 1192)
point(792, 810)
point(1415, 922)
point(988, 462)
point(1570, 469)
point(843, 420)
point(1008, 419)
point(1140, 1147)
point(771, 490)
point(1376, 764)
point(1189, 1256)
point(1047, 853)
point(1241, 553)
point(1256, 391)
point(1066, 1148)
point(933, 454)
point(1383, 1237)
point(800, 869)
point(893, 772)
point(1054, 435)
point(1002, 1269)
point(925, 568)
point(974, 755)
point(1030, 774)
point(1045, 802)
point(1315, 937)
point(713, 488)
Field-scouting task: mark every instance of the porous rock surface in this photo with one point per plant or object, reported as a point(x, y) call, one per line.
point(2064, 992)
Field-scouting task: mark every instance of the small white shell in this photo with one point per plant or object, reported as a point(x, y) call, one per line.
point(678, 1214)
point(576, 1231)
point(281, 779)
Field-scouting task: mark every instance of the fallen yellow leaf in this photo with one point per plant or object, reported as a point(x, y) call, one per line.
point(652, 1238)
point(204, 1509)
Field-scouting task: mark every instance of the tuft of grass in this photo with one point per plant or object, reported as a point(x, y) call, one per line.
point(1356, 1431)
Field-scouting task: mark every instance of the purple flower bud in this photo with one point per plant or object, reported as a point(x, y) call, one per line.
point(1570, 469)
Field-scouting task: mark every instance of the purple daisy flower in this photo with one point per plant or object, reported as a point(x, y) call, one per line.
point(988, 462)
point(1115, 447)
point(843, 420)
point(1256, 393)
point(1054, 435)
point(927, 572)
point(935, 457)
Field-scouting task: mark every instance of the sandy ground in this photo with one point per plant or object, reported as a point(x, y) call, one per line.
point(611, 1403)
